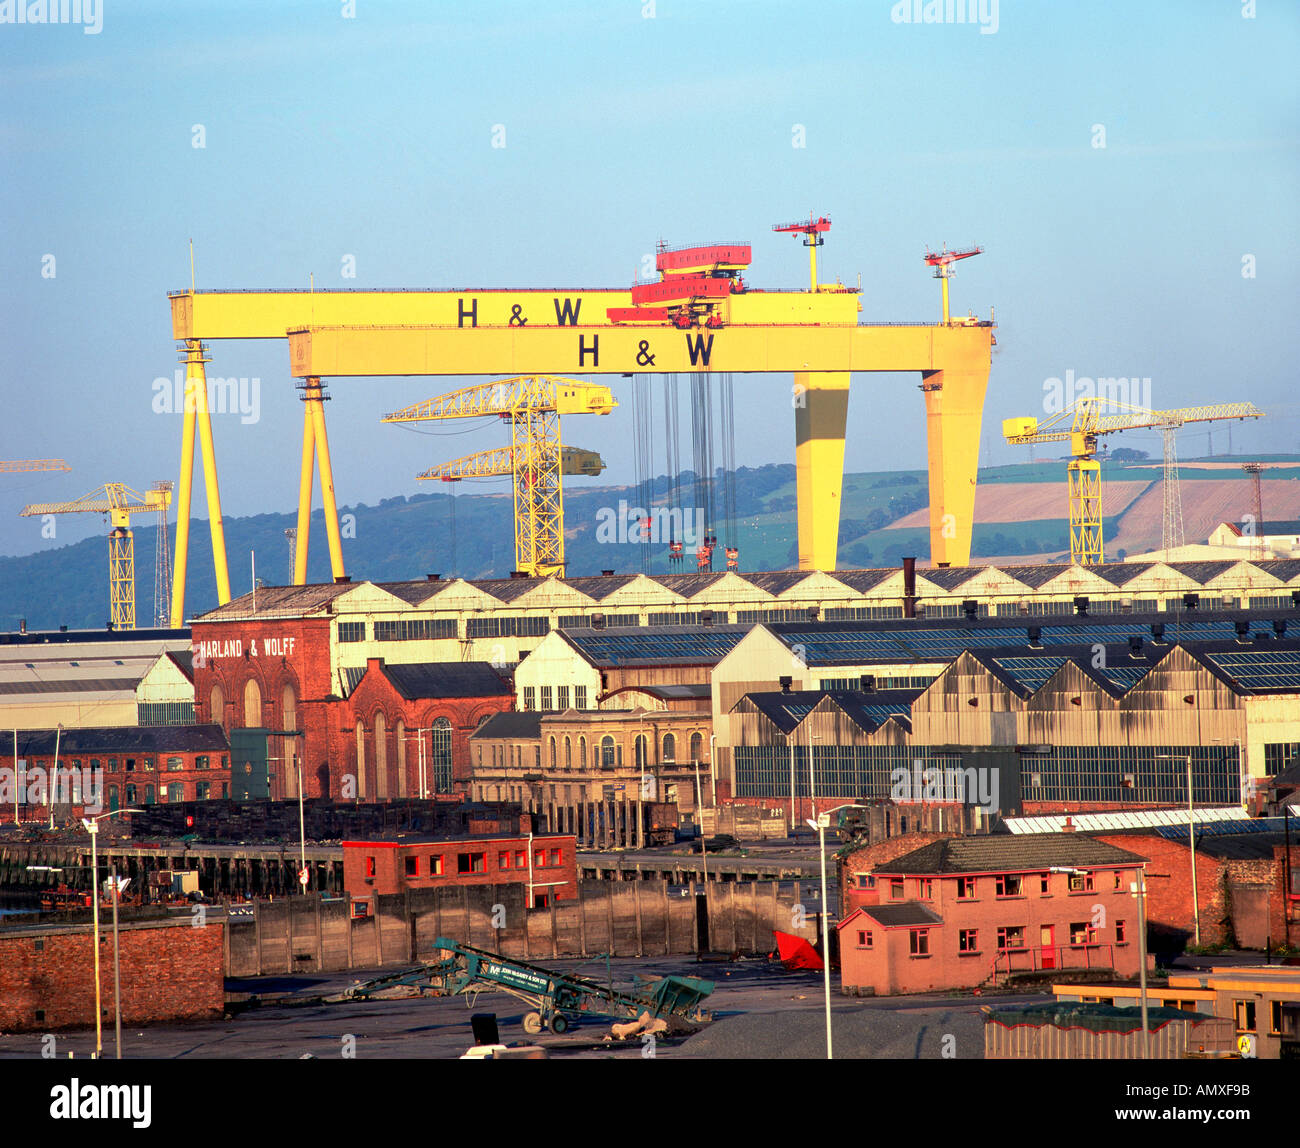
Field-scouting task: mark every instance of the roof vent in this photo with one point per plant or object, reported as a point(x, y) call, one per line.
point(1081, 605)
point(786, 682)
point(814, 612)
point(1242, 626)
point(342, 579)
point(433, 577)
point(1157, 632)
point(868, 683)
point(598, 621)
point(1279, 627)
point(63, 629)
point(1035, 635)
point(606, 573)
point(970, 607)
point(1191, 601)
point(706, 617)
point(1135, 645)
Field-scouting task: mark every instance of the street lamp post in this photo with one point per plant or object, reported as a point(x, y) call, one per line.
point(820, 824)
point(1140, 888)
point(713, 773)
point(790, 744)
point(92, 827)
point(1191, 839)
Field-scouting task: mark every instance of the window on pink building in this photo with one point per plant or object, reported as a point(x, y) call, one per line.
point(1121, 929)
point(968, 941)
point(924, 889)
point(920, 942)
point(1010, 885)
point(1011, 937)
point(864, 939)
point(1082, 933)
point(965, 888)
point(896, 887)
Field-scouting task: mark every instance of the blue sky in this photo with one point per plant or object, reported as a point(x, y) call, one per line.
point(371, 136)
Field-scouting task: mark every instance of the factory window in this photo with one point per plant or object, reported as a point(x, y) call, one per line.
point(530, 697)
point(1278, 755)
point(1121, 931)
point(95, 763)
point(607, 752)
point(546, 699)
point(866, 881)
point(412, 866)
point(1080, 882)
point(554, 857)
point(1244, 1013)
point(352, 631)
point(112, 798)
point(201, 762)
point(112, 765)
point(968, 941)
point(539, 858)
point(435, 864)
point(1011, 937)
point(552, 747)
point(641, 750)
point(414, 630)
point(537, 756)
point(130, 765)
point(1044, 885)
point(148, 795)
point(1082, 933)
point(562, 697)
point(582, 753)
point(697, 745)
point(202, 790)
point(670, 747)
point(440, 755)
point(924, 889)
point(864, 939)
point(130, 795)
point(568, 752)
point(580, 697)
point(174, 792)
point(965, 888)
point(146, 763)
point(370, 867)
point(1275, 1018)
point(471, 863)
point(503, 859)
point(175, 764)
point(1009, 885)
point(920, 942)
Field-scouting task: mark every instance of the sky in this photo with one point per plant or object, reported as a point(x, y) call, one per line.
point(365, 129)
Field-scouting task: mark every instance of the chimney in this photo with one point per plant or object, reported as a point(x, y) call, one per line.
point(342, 579)
point(433, 577)
point(606, 573)
point(1068, 827)
point(786, 682)
point(22, 625)
point(909, 587)
point(517, 574)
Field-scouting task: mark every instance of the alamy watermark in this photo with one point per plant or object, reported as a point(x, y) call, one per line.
point(1058, 394)
point(970, 786)
point(232, 396)
point(981, 12)
point(62, 786)
point(88, 13)
point(658, 526)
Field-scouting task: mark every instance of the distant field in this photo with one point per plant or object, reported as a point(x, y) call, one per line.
point(1206, 503)
point(1026, 501)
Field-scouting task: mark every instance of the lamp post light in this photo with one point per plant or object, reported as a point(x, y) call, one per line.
point(92, 827)
point(820, 824)
point(1191, 838)
point(790, 744)
point(713, 774)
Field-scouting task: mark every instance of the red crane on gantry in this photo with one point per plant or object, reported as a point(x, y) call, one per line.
point(942, 262)
point(812, 230)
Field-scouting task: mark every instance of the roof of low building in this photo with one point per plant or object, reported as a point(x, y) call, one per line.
point(513, 724)
point(1008, 853)
point(123, 739)
point(418, 680)
point(900, 916)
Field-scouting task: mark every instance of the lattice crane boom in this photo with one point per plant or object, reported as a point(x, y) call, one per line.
point(119, 502)
point(1086, 424)
point(533, 392)
point(499, 461)
point(27, 465)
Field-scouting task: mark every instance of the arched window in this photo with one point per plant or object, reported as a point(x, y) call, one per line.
point(670, 747)
point(697, 745)
point(252, 704)
point(568, 752)
point(641, 751)
point(582, 753)
point(289, 720)
point(381, 756)
point(130, 794)
point(112, 798)
point(361, 763)
point(607, 752)
point(399, 734)
point(440, 756)
point(217, 706)
point(552, 751)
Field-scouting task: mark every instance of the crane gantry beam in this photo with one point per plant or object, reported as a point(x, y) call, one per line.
point(533, 405)
point(812, 333)
point(1086, 424)
point(119, 502)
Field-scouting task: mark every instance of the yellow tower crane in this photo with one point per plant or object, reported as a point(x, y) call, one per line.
point(26, 465)
point(119, 502)
point(500, 461)
point(533, 404)
point(1086, 425)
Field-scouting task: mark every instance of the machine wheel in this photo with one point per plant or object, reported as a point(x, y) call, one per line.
point(559, 1024)
point(532, 1023)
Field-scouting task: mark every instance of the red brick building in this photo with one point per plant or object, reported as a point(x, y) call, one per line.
point(169, 971)
point(966, 911)
point(113, 767)
point(358, 730)
point(411, 862)
point(1241, 884)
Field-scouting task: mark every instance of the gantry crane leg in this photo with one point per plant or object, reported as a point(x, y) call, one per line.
point(315, 448)
point(197, 415)
point(954, 406)
point(305, 480)
point(821, 412)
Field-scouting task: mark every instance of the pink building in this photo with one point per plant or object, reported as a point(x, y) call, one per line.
point(968, 911)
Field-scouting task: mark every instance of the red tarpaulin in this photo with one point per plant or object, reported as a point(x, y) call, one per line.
point(795, 952)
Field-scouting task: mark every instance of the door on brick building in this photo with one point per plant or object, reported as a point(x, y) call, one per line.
point(250, 778)
point(1047, 943)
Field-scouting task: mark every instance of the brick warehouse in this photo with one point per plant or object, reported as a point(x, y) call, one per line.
point(263, 680)
point(170, 970)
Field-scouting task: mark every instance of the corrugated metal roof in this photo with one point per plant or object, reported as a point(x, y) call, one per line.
point(447, 680)
point(1123, 819)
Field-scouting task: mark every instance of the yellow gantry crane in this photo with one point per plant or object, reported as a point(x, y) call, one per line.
point(26, 465)
point(1086, 425)
point(119, 502)
point(533, 405)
